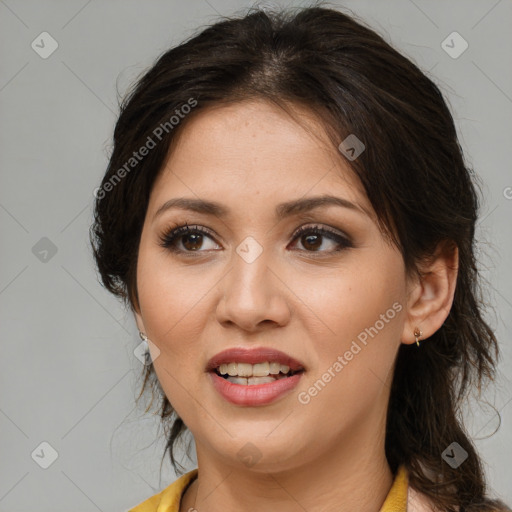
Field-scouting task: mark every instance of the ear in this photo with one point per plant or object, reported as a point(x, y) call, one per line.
point(139, 321)
point(430, 297)
point(134, 299)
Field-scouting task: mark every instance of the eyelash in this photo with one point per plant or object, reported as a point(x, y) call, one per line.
point(168, 239)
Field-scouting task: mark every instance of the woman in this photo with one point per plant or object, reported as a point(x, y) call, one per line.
point(288, 214)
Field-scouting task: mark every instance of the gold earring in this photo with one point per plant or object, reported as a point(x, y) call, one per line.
point(417, 336)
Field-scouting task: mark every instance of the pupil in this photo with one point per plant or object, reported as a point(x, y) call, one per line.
point(195, 244)
point(312, 244)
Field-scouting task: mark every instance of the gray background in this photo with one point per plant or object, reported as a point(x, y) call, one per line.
point(68, 374)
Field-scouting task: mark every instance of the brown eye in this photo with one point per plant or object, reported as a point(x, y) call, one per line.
point(311, 242)
point(312, 238)
point(191, 238)
point(192, 241)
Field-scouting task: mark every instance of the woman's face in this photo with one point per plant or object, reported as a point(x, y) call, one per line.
point(334, 302)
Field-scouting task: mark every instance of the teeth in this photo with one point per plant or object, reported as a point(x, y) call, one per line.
point(253, 370)
point(260, 380)
point(238, 380)
point(251, 381)
point(260, 369)
point(274, 368)
point(231, 369)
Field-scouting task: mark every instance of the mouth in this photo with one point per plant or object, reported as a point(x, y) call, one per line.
point(247, 374)
point(251, 365)
point(272, 382)
point(254, 377)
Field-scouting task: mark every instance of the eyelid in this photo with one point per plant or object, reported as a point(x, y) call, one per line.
point(343, 240)
point(179, 229)
point(173, 233)
point(323, 229)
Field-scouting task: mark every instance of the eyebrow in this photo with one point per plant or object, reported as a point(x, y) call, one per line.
point(282, 210)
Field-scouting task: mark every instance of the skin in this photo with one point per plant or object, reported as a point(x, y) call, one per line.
point(327, 455)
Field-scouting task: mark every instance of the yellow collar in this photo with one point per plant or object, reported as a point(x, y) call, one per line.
point(396, 500)
point(169, 499)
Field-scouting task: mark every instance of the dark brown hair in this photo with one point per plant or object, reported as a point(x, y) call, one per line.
point(413, 172)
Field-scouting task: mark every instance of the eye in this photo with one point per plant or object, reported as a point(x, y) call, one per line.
point(191, 238)
point(312, 237)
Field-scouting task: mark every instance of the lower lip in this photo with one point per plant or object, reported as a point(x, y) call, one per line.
point(258, 394)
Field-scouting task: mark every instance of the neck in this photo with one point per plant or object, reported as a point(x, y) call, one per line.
point(356, 476)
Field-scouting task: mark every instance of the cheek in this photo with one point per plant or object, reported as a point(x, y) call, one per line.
point(173, 315)
point(173, 307)
point(361, 308)
point(355, 298)
point(169, 293)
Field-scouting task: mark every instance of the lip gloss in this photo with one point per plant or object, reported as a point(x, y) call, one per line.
point(257, 394)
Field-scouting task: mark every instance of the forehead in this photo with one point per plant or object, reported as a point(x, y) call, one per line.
point(255, 152)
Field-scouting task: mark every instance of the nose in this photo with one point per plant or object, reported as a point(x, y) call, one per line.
point(253, 296)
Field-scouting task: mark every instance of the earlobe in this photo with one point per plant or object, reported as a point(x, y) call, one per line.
point(431, 295)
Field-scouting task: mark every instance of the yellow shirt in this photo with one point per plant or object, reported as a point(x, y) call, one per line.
point(169, 499)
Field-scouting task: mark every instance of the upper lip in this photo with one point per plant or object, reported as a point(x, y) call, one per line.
point(253, 356)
